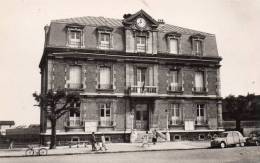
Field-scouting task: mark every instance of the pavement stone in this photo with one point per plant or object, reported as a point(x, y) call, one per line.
point(113, 148)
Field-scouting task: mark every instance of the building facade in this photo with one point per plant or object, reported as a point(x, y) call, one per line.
point(132, 74)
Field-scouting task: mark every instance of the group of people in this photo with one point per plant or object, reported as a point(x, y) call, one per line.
point(98, 145)
point(146, 137)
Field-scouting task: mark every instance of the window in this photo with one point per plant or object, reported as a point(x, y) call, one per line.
point(75, 77)
point(199, 81)
point(104, 40)
point(105, 78)
point(173, 46)
point(140, 76)
point(175, 114)
point(75, 38)
point(141, 43)
point(105, 114)
point(200, 114)
point(174, 81)
point(198, 47)
point(177, 137)
point(74, 119)
point(197, 44)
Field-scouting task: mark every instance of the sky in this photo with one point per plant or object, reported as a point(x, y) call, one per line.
point(235, 23)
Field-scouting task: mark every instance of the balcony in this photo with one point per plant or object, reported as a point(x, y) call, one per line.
point(143, 90)
point(75, 86)
point(108, 87)
point(74, 124)
point(175, 88)
point(199, 90)
point(106, 123)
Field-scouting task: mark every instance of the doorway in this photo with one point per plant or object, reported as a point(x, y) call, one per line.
point(141, 116)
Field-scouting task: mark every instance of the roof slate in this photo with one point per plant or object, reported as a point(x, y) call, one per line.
point(112, 22)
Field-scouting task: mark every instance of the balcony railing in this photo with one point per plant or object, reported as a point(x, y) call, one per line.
point(140, 48)
point(143, 89)
point(104, 45)
point(105, 86)
point(175, 88)
point(106, 123)
point(201, 121)
point(175, 121)
point(75, 85)
point(199, 89)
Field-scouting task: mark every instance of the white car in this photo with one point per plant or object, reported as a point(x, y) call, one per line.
point(227, 139)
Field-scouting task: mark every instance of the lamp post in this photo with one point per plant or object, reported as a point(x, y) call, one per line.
point(167, 128)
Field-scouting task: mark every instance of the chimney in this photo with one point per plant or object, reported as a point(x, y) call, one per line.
point(161, 21)
point(46, 30)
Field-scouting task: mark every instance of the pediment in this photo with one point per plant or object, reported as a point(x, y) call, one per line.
point(130, 20)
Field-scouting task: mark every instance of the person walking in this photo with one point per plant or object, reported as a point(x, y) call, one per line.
point(93, 141)
point(155, 136)
point(145, 139)
point(11, 143)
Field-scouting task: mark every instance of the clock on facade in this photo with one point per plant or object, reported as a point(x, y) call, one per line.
point(140, 22)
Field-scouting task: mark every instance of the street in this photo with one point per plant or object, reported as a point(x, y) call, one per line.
point(235, 154)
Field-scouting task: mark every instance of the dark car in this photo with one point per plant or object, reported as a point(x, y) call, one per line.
point(254, 138)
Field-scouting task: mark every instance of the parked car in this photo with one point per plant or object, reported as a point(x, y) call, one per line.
point(254, 138)
point(228, 138)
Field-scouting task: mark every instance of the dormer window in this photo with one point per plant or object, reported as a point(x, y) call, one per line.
point(105, 37)
point(75, 35)
point(173, 41)
point(197, 44)
point(75, 38)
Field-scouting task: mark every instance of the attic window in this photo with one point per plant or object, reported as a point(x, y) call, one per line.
point(104, 37)
point(173, 42)
point(197, 42)
point(75, 35)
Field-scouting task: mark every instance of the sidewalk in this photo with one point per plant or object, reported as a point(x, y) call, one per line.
point(113, 148)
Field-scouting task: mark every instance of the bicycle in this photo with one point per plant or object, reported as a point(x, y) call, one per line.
point(36, 150)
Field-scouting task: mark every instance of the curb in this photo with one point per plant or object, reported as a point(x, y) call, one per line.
point(108, 152)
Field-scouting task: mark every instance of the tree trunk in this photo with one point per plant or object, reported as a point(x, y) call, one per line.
point(238, 126)
point(53, 134)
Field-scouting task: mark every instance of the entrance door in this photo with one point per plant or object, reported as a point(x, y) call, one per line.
point(141, 117)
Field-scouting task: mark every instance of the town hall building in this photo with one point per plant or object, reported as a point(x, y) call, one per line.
point(133, 74)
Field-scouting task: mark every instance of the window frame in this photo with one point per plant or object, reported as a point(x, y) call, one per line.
point(198, 38)
point(75, 85)
point(105, 120)
point(175, 114)
point(105, 30)
point(203, 89)
point(140, 45)
point(176, 36)
point(78, 29)
point(110, 86)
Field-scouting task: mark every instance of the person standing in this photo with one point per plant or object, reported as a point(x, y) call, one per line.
point(93, 141)
point(145, 139)
point(154, 139)
point(103, 141)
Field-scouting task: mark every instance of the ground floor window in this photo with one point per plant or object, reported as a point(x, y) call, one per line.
point(105, 114)
point(175, 114)
point(201, 118)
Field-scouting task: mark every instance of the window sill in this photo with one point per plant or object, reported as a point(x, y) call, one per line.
point(105, 90)
point(176, 91)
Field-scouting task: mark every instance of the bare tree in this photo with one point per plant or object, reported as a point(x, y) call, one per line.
point(55, 104)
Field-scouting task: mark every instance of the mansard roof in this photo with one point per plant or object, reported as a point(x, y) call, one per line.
point(116, 23)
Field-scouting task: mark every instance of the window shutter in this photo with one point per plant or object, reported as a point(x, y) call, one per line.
point(155, 75)
point(151, 75)
point(129, 75)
